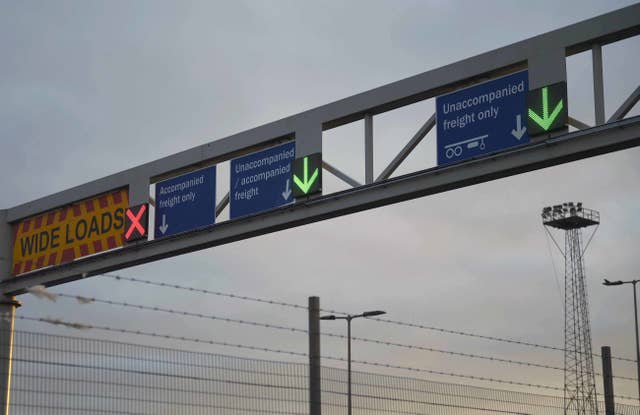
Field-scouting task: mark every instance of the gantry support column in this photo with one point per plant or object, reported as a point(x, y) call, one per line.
point(8, 307)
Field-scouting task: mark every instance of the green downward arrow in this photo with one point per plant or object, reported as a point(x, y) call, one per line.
point(546, 120)
point(308, 181)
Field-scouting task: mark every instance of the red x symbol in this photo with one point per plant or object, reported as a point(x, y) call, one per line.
point(135, 221)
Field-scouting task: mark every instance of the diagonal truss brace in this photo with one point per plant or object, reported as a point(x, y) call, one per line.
point(578, 124)
point(340, 175)
point(223, 204)
point(408, 148)
point(626, 106)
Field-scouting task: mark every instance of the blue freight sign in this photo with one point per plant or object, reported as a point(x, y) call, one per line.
point(482, 119)
point(186, 202)
point(261, 181)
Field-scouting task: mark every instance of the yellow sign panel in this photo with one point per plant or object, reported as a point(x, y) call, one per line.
point(62, 235)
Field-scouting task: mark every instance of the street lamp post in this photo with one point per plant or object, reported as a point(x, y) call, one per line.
point(635, 310)
point(350, 317)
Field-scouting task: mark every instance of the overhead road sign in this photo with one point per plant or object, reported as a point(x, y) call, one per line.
point(482, 119)
point(543, 54)
point(564, 149)
point(547, 109)
point(307, 175)
point(136, 223)
point(185, 203)
point(261, 181)
point(70, 232)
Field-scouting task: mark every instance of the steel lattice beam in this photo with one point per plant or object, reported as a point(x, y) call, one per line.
point(570, 147)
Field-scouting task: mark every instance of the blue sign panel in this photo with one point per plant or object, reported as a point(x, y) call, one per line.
point(186, 202)
point(261, 181)
point(482, 119)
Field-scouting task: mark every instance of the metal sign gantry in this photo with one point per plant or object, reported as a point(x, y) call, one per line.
point(544, 59)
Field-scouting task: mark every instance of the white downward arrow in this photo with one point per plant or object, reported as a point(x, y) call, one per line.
point(287, 191)
point(520, 130)
point(163, 228)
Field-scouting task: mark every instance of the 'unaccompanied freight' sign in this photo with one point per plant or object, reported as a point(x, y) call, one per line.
point(62, 235)
point(482, 119)
point(261, 181)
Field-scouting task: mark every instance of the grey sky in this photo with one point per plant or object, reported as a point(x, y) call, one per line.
point(91, 88)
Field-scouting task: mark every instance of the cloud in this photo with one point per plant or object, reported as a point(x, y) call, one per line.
point(90, 89)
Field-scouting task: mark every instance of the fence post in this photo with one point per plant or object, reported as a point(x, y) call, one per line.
point(607, 380)
point(314, 356)
point(8, 307)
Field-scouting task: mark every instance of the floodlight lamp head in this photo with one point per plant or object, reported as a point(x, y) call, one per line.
point(609, 283)
point(330, 317)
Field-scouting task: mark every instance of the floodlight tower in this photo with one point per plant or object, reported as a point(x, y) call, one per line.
point(579, 378)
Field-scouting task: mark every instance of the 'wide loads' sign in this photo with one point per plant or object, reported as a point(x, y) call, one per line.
point(74, 231)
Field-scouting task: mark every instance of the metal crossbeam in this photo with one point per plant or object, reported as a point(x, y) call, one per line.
point(569, 147)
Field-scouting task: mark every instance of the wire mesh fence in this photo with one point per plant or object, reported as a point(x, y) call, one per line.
point(54, 375)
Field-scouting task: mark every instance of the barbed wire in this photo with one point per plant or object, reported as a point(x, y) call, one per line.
point(165, 349)
point(382, 320)
point(56, 321)
point(450, 352)
point(299, 330)
point(211, 292)
point(492, 338)
point(465, 376)
point(471, 355)
point(300, 354)
point(183, 313)
point(287, 328)
point(103, 354)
